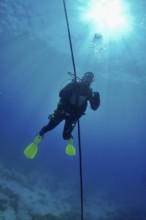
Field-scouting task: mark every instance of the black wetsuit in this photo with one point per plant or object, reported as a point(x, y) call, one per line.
point(73, 103)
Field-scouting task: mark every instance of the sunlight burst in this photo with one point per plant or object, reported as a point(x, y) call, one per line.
point(108, 17)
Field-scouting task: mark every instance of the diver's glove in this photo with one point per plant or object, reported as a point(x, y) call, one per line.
point(94, 100)
point(70, 149)
point(95, 93)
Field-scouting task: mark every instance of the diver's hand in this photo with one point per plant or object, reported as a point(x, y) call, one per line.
point(95, 93)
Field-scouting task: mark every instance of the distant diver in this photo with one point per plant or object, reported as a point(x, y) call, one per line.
point(72, 105)
point(97, 45)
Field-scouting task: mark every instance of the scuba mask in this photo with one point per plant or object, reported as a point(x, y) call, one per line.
point(88, 78)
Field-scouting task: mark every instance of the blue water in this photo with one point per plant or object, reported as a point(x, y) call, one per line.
point(34, 61)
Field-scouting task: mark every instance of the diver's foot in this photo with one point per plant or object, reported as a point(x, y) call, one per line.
point(37, 139)
point(70, 149)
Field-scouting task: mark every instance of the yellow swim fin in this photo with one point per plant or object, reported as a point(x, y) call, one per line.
point(31, 150)
point(70, 149)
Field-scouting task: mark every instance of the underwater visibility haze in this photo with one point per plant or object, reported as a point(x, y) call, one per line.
point(108, 39)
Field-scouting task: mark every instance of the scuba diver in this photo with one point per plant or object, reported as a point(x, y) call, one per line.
point(74, 98)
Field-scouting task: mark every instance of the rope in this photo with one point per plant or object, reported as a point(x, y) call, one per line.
point(79, 135)
point(81, 175)
point(70, 42)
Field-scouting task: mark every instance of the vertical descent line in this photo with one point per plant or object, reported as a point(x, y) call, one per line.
point(79, 136)
point(70, 42)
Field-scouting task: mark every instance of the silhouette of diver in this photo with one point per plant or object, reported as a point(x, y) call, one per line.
point(74, 98)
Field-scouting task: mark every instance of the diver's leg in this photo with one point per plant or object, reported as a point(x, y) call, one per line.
point(68, 128)
point(52, 124)
point(54, 121)
point(31, 150)
point(67, 135)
